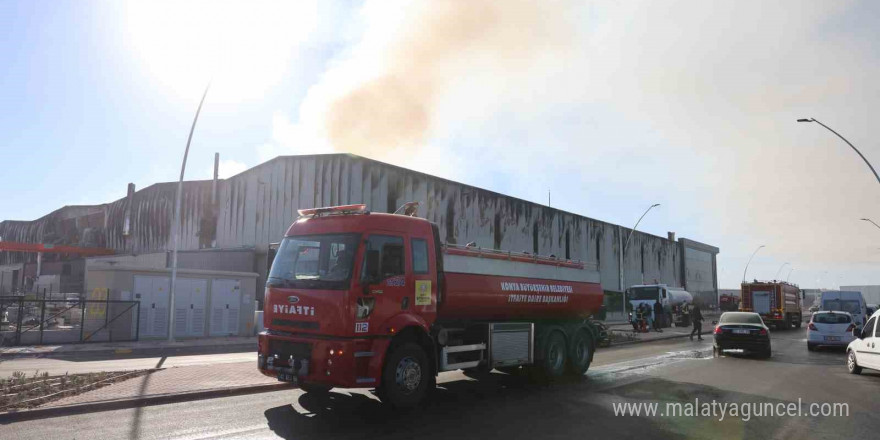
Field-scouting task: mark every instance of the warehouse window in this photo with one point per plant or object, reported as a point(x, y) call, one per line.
point(568, 245)
point(535, 238)
point(419, 255)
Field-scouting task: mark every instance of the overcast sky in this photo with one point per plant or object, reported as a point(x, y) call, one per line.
point(612, 106)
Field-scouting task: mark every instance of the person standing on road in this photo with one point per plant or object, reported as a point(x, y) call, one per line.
point(649, 321)
point(697, 319)
point(658, 316)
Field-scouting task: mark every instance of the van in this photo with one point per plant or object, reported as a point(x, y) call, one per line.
point(851, 302)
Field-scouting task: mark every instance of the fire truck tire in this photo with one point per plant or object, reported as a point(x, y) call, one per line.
point(580, 351)
point(315, 388)
point(798, 323)
point(406, 377)
point(554, 355)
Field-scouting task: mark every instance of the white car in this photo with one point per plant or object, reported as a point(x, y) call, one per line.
point(864, 351)
point(830, 328)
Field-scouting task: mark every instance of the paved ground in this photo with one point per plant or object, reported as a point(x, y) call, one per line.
point(110, 348)
point(511, 407)
point(71, 365)
point(175, 380)
point(622, 332)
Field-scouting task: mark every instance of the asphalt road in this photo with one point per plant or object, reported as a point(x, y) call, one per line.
point(507, 407)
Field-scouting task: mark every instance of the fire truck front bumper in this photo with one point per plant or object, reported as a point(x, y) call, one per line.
point(339, 362)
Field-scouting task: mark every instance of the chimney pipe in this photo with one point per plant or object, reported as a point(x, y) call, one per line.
point(216, 174)
point(671, 235)
point(126, 222)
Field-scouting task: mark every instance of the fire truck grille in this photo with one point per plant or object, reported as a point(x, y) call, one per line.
point(306, 325)
point(285, 349)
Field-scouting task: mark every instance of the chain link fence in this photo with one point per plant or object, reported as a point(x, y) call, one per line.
point(41, 322)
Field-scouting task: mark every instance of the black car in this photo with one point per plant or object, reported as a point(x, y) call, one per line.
point(742, 330)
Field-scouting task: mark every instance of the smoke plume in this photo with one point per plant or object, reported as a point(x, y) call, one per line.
point(430, 46)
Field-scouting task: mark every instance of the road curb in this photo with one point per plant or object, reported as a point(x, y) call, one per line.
point(135, 402)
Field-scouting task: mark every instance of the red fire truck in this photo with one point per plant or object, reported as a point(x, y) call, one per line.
point(356, 299)
point(778, 302)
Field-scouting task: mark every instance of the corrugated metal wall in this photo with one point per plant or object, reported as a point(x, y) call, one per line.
point(256, 207)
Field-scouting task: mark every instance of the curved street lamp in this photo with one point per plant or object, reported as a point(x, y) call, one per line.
point(871, 221)
point(780, 270)
point(750, 262)
point(175, 226)
point(848, 143)
point(789, 274)
point(623, 255)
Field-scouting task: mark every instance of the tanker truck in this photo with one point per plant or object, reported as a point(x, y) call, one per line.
point(356, 299)
point(675, 301)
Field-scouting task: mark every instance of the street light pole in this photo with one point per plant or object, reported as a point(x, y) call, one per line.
point(780, 270)
point(623, 255)
point(175, 226)
point(750, 262)
point(848, 143)
point(789, 274)
point(871, 221)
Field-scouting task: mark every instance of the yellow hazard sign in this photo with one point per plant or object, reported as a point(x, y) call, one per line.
point(423, 292)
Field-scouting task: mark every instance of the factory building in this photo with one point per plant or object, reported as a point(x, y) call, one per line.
point(253, 209)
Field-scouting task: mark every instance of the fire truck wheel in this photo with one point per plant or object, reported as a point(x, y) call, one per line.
point(406, 376)
point(315, 388)
point(579, 351)
point(554, 355)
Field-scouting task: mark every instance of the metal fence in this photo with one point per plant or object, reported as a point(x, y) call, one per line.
point(39, 321)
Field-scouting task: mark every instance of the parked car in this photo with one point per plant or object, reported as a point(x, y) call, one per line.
point(814, 308)
point(743, 331)
point(864, 350)
point(829, 328)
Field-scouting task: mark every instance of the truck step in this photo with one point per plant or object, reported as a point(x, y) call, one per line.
point(446, 365)
point(463, 348)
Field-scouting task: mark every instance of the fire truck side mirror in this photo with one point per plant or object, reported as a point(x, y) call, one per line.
point(371, 267)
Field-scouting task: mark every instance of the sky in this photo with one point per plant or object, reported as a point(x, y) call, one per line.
point(609, 106)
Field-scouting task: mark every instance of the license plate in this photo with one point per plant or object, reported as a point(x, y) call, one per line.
point(832, 338)
point(741, 331)
point(285, 377)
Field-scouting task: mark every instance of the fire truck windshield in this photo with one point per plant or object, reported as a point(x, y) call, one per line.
point(314, 262)
point(642, 293)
